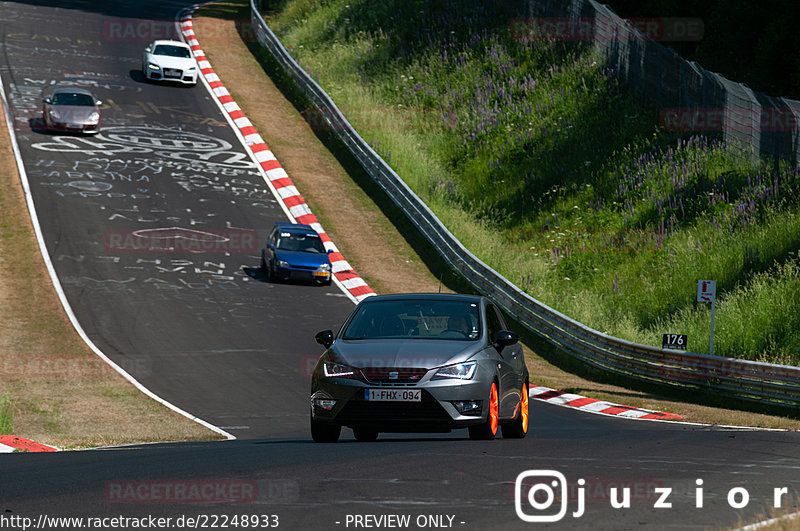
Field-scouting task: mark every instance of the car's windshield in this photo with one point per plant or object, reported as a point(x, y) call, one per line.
point(73, 98)
point(303, 242)
point(171, 51)
point(415, 318)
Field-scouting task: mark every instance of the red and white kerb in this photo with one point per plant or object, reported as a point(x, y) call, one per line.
point(277, 176)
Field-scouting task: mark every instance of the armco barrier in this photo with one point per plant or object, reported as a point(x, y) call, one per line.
point(762, 382)
point(691, 97)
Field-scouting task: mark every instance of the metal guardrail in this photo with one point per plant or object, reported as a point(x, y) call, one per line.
point(753, 123)
point(741, 379)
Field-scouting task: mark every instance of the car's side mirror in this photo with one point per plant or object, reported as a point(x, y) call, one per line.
point(148, 49)
point(330, 251)
point(47, 99)
point(98, 102)
point(325, 338)
point(505, 338)
point(271, 245)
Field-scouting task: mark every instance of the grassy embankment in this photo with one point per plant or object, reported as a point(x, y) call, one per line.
point(537, 159)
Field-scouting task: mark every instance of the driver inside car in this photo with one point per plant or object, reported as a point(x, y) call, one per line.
point(459, 323)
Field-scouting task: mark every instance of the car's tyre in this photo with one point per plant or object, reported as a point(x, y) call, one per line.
point(517, 428)
point(365, 434)
point(488, 429)
point(263, 263)
point(325, 433)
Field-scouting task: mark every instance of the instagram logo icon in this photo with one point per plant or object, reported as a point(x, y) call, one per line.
point(540, 491)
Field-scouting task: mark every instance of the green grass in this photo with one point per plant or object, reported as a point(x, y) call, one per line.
point(550, 171)
point(6, 420)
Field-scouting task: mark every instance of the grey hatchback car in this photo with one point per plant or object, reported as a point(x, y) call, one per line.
point(416, 363)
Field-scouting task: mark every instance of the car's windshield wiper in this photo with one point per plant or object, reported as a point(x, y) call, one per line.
point(424, 322)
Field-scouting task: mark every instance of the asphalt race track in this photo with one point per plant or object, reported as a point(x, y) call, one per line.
point(313, 486)
point(201, 328)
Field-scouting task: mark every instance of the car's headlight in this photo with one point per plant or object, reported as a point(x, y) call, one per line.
point(460, 371)
point(94, 117)
point(151, 66)
point(282, 263)
point(54, 114)
point(337, 370)
point(325, 267)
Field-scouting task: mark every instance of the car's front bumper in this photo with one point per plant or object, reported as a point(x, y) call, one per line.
point(435, 412)
point(302, 274)
point(73, 127)
point(186, 77)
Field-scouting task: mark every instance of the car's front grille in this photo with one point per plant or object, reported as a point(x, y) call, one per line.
point(393, 375)
point(300, 275)
point(393, 414)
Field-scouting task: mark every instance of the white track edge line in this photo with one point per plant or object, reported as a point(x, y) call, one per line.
point(249, 152)
point(770, 521)
point(23, 176)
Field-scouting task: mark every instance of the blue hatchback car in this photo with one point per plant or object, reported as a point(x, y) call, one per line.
point(295, 252)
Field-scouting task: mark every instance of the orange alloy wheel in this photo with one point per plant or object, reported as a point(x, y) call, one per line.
point(524, 405)
point(493, 409)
